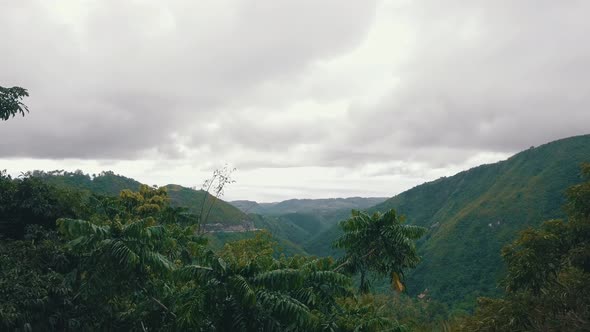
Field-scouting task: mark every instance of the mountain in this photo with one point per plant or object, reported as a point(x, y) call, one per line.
point(473, 214)
point(109, 183)
point(297, 222)
point(325, 206)
point(249, 206)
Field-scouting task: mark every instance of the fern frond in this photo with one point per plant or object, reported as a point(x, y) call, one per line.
point(157, 261)
point(279, 279)
point(74, 228)
point(243, 290)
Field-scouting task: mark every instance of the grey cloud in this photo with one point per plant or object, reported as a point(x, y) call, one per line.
point(181, 79)
point(116, 82)
point(484, 76)
point(496, 76)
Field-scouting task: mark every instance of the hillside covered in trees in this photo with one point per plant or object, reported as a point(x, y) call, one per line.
point(111, 184)
point(82, 261)
point(470, 216)
point(473, 214)
point(322, 207)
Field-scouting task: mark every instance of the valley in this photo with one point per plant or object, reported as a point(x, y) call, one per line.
point(470, 216)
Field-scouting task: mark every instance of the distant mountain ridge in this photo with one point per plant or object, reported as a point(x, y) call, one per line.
point(472, 214)
point(320, 206)
point(247, 206)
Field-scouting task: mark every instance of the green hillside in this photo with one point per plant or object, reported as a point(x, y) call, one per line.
point(472, 214)
point(221, 212)
point(109, 183)
point(294, 227)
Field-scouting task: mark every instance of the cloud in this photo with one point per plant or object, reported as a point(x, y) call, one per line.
point(496, 76)
point(410, 89)
point(113, 79)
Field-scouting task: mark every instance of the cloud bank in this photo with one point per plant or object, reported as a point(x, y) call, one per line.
point(305, 98)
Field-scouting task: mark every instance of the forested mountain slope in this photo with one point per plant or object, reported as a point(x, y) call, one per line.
point(472, 214)
point(109, 183)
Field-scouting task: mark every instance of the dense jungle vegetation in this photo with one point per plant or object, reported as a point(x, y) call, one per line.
point(104, 252)
point(133, 262)
point(73, 260)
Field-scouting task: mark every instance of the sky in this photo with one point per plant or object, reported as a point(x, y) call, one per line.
point(305, 98)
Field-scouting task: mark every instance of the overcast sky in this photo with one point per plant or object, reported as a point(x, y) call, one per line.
point(306, 98)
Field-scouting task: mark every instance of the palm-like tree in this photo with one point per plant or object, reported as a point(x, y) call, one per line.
point(118, 264)
point(135, 245)
point(381, 243)
point(262, 293)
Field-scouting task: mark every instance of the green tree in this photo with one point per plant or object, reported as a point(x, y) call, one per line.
point(126, 257)
point(34, 292)
point(246, 289)
point(379, 243)
point(10, 102)
point(29, 200)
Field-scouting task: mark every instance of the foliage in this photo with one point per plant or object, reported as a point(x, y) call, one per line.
point(136, 263)
point(34, 290)
point(247, 289)
point(380, 243)
point(28, 200)
point(124, 259)
point(10, 102)
point(548, 277)
point(364, 314)
point(110, 184)
point(217, 241)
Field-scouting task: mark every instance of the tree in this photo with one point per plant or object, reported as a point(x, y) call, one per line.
point(10, 102)
point(245, 288)
point(126, 256)
point(35, 295)
point(380, 243)
point(221, 178)
point(29, 200)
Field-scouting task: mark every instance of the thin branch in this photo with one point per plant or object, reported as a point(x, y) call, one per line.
point(158, 302)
